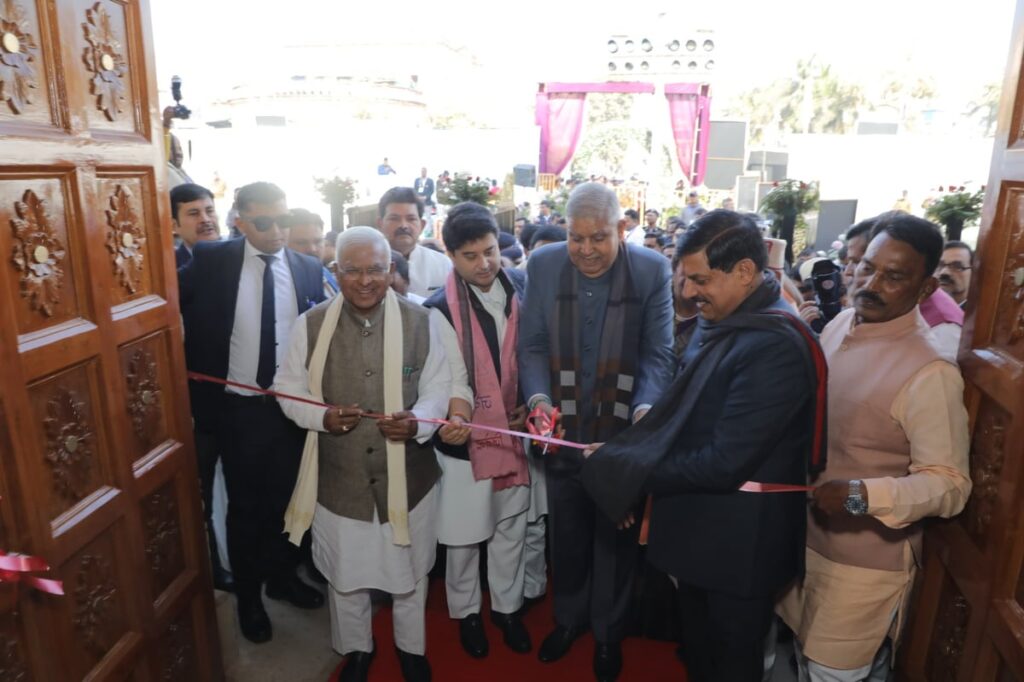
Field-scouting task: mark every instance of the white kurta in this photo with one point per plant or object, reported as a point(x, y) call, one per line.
point(355, 554)
point(428, 271)
point(470, 509)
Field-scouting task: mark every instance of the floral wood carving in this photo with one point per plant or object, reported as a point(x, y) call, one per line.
point(1010, 312)
point(94, 602)
point(68, 445)
point(163, 533)
point(17, 48)
point(987, 456)
point(125, 240)
point(947, 644)
point(179, 654)
point(37, 254)
point(104, 58)
point(143, 390)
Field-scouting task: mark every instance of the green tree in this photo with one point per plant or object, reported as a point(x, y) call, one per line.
point(608, 135)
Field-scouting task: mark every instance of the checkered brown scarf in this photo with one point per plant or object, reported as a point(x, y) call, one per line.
point(617, 355)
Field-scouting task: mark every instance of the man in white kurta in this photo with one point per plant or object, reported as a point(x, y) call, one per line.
point(374, 480)
point(478, 311)
point(400, 219)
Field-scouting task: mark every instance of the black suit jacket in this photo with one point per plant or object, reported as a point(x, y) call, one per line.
point(209, 290)
point(181, 256)
point(751, 423)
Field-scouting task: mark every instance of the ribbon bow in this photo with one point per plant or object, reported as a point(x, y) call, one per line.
point(15, 568)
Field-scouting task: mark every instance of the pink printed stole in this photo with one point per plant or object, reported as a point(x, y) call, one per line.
point(494, 456)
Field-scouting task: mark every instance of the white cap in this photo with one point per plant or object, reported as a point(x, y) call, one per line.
point(806, 266)
point(776, 253)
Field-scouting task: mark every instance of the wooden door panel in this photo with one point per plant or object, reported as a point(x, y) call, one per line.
point(34, 101)
point(146, 373)
point(97, 466)
point(45, 280)
point(105, 46)
point(126, 222)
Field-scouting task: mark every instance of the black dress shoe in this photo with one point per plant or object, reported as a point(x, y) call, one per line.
point(472, 636)
point(295, 592)
point(253, 620)
point(357, 667)
point(607, 662)
point(223, 580)
point(511, 625)
point(557, 644)
point(314, 573)
point(414, 668)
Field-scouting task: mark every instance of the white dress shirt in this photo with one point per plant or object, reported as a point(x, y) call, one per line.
point(244, 358)
point(636, 235)
point(428, 270)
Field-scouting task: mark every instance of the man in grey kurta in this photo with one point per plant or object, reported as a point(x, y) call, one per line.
point(596, 342)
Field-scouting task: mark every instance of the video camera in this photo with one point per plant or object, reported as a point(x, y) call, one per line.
point(827, 279)
point(179, 110)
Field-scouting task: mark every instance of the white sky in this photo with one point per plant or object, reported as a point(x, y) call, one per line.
point(214, 44)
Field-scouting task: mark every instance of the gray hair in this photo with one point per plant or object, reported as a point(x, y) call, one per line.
point(593, 201)
point(361, 235)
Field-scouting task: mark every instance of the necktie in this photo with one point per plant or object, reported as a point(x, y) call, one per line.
point(268, 350)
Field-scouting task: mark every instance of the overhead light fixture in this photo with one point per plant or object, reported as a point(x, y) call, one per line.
point(646, 45)
point(613, 46)
point(674, 45)
point(691, 45)
point(629, 46)
point(709, 45)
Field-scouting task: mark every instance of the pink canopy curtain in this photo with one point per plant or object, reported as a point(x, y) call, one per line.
point(689, 107)
point(559, 114)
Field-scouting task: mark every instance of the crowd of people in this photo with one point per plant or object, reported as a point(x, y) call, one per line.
point(780, 477)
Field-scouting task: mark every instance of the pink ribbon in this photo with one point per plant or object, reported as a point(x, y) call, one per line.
point(538, 436)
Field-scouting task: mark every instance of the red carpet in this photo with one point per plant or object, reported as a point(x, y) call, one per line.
point(644, 660)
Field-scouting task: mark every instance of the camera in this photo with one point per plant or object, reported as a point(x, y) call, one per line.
point(828, 291)
point(179, 110)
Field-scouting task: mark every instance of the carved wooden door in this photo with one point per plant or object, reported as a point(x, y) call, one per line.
point(97, 472)
point(968, 624)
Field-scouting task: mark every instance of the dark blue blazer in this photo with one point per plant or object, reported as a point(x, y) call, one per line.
point(208, 287)
point(181, 256)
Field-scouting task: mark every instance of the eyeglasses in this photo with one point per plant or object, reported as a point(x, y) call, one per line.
point(375, 272)
point(262, 223)
point(955, 266)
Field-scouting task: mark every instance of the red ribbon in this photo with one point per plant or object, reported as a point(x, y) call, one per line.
point(15, 567)
point(538, 435)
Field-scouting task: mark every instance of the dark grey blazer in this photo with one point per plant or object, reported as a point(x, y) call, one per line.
point(652, 281)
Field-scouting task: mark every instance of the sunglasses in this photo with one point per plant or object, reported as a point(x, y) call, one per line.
point(262, 223)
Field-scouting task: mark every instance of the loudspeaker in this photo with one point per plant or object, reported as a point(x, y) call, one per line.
point(525, 175)
point(726, 143)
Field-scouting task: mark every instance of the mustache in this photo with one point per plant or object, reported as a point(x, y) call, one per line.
point(403, 230)
point(946, 279)
point(868, 296)
point(698, 299)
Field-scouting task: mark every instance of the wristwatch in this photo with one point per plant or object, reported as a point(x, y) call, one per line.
point(855, 503)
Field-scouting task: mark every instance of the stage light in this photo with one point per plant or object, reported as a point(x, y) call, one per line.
point(692, 66)
point(676, 65)
point(629, 46)
point(646, 46)
point(691, 45)
point(611, 66)
point(710, 65)
point(613, 46)
point(709, 45)
point(673, 46)
point(644, 66)
point(629, 66)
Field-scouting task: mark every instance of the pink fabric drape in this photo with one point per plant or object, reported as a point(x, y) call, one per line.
point(560, 117)
point(689, 106)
